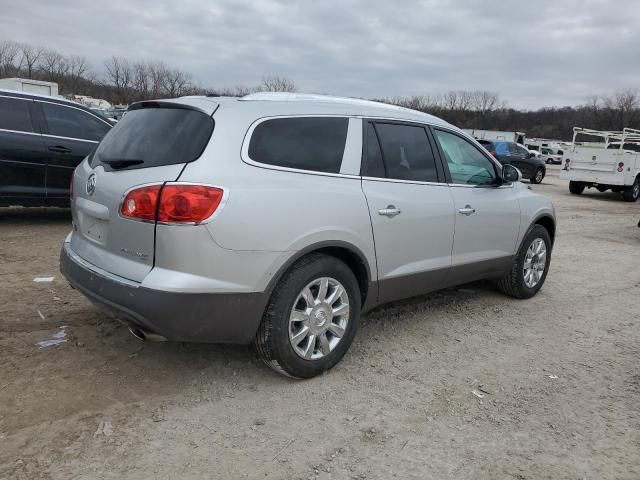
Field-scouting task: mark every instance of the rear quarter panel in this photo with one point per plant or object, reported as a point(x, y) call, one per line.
point(278, 211)
point(532, 207)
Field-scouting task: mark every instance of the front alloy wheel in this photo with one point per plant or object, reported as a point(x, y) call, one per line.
point(534, 262)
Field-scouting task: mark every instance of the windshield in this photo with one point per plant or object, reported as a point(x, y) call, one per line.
point(152, 137)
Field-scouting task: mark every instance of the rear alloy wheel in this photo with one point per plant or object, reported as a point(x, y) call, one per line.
point(537, 178)
point(632, 193)
point(530, 266)
point(311, 318)
point(576, 187)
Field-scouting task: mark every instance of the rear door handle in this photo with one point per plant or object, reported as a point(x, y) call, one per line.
point(59, 149)
point(467, 210)
point(390, 211)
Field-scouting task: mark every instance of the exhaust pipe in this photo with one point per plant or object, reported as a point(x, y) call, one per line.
point(145, 335)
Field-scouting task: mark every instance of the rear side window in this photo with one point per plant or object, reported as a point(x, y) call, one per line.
point(153, 137)
point(73, 123)
point(304, 143)
point(14, 115)
point(406, 152)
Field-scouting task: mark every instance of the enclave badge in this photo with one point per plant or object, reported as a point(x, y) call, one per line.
point(91, 184)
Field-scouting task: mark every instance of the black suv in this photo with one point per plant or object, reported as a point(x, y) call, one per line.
point(42, 140)
point(509, 152)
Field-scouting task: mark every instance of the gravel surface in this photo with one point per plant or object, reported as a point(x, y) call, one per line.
point(464, 383)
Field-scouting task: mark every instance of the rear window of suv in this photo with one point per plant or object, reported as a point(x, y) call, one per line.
point(154, 137)
point(304, 143)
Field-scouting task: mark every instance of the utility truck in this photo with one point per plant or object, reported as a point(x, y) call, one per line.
point(613, 165)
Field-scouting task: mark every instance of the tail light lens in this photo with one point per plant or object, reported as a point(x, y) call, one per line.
point(173, 203)
point(620, 166)
point(188, 203)
point(141, 203)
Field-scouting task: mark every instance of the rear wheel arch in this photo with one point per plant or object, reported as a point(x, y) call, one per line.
point(351, 255)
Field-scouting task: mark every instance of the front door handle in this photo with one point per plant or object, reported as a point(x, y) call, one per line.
point(467, 210)
point(390, 211)
point(59, 149)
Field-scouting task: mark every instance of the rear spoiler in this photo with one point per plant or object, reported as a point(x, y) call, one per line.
point(199, 104)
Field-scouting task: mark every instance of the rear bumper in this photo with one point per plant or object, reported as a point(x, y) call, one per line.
point(187, 317)
point(594, 177)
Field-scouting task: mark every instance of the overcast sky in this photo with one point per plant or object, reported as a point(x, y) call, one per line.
point(533, 53)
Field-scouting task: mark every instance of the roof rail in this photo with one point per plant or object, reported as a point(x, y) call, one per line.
point(311, 97)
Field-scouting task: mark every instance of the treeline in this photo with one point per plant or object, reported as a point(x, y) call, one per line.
point(485, 110)
point(123, 81)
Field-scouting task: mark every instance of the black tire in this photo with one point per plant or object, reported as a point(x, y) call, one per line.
point(538, 176)
point(549, 161)
point(576, 187)
point(632, 193)
point(272, 339)
point(513, 284)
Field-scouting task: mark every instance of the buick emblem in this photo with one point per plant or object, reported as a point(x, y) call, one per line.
point(91, 184)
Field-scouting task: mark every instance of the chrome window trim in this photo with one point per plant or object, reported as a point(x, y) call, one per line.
point(244, 152)
point(395, 180)
point(70, 138)
point(47, 135)
point(19, 131)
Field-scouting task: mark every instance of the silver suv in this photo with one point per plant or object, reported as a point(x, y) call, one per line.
point(278, 219)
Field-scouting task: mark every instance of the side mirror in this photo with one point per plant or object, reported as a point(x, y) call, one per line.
point(511, 173)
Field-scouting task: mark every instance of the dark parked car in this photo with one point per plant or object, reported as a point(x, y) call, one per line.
point(511, 153)
point(42, 140)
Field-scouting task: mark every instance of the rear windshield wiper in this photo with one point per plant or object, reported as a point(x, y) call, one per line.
point(122, 163)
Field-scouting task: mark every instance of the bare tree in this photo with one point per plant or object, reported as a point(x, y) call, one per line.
point(177, 82)
point(53, 66)
point(277, 84)
point(30, 57)
point(8, 55)
point(141, 79)
point(119, 75)
point(623, 105)
point(78, 68)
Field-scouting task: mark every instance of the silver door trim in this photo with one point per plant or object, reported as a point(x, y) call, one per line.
point(70, 138)
point(18, 131)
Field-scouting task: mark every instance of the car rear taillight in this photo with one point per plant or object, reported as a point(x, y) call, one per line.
point(172, 203)
point(188, 203)
point(141, 203)
point(620, 166)
point(567, 162)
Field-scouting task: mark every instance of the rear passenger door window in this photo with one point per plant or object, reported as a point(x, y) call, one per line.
point(71, 122)
point(303, 143)
point(400, 152)
point(14, 115)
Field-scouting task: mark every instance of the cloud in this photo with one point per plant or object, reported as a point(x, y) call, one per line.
point(532, 53)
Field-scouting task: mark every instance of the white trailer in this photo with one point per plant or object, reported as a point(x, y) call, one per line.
point(516, 137)
point(614, 164)
point(30, 86)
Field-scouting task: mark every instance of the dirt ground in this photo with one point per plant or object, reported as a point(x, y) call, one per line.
point(560, 375)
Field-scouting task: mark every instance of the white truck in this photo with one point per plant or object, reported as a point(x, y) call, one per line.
point(516, 137)
point(614, 164)
point(30, 86)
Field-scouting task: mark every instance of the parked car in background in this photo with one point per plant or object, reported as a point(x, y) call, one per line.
point(613, 165)
point(488, 145)
point(42, 140)
point(551, 155)
point(510, 153)
point(254, 219)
